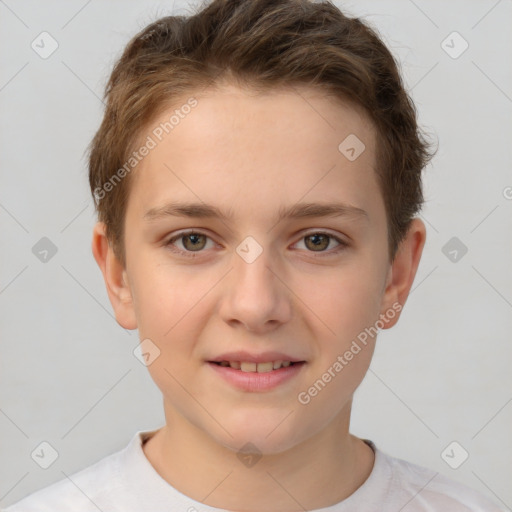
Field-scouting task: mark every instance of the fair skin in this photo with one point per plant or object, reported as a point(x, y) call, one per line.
point(250, 156)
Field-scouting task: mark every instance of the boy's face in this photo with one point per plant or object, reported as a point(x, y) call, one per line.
point(282, 290)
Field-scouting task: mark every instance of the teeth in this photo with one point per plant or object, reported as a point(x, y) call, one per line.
point(265, 367)
point(246, 366)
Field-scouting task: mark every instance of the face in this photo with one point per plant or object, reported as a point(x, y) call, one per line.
point(266, 279)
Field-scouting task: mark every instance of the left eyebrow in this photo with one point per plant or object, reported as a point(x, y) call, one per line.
point(304, 210)
point(300, 210)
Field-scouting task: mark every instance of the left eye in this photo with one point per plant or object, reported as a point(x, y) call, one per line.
point(319, 242)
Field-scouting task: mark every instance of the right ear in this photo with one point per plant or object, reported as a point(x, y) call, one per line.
point(116, 278)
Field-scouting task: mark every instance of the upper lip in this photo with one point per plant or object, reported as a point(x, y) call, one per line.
point(262, 357)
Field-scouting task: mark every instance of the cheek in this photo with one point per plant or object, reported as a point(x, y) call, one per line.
point(347, 301)
point(349, 306)
point(170, 307)
point(166, 298)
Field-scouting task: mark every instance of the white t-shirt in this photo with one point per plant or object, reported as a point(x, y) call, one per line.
point(127, 482)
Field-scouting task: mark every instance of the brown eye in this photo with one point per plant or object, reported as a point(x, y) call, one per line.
point(317, 241)
point(323, 243)
point(189, 243)
point(194, 241)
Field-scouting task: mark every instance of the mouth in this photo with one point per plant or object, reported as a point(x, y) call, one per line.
point(252, 367)
point(256, 377)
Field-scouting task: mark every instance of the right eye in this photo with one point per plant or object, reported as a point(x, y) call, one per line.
point(191, 241)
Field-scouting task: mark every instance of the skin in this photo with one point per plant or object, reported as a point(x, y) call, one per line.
point(253, 154)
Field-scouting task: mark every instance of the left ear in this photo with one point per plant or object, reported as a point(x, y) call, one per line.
point(403, 270)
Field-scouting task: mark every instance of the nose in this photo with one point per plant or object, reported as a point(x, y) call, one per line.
point(255, 296)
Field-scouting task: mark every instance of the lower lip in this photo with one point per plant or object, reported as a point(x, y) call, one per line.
point(254, 381)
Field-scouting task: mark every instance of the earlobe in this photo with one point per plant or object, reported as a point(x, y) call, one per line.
point(115, 277)
point(403, 270)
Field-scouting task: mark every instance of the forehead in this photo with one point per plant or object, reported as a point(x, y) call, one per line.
point(235, 142)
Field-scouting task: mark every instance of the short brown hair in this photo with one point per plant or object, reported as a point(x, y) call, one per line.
point(264, 44)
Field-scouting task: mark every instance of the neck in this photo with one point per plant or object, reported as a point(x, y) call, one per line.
point(327, 468)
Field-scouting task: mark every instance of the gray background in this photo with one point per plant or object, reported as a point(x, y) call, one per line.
point(68, 373)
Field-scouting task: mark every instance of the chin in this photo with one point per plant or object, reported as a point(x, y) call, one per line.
point(269, 434)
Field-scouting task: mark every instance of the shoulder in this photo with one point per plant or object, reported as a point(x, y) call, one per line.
point(420, 489)
point(88, 490)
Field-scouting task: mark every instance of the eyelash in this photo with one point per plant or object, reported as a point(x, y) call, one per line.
point(193, 254)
